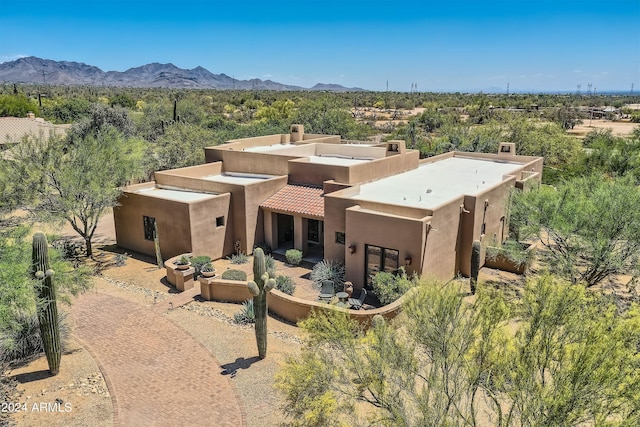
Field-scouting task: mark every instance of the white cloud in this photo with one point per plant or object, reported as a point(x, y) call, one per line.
point(5, 58)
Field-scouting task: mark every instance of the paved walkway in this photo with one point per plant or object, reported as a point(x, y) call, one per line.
point(158, 375)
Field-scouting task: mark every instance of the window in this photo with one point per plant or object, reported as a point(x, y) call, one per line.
point(220, 221)
point(149, 223)
point(380, 259)
point(340, 238)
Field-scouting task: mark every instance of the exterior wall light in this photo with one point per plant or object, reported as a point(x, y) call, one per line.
point(407, 260)
point(352, 248)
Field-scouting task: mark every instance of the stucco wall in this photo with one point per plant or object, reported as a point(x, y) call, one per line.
point(255, 194)
point(370, 227)
point(441, 249)
point(303, 171)
point(207, 238)
point(246, 219)
point(488, 207)
point(243, 161)
point(381, 168)
point(335, 206)
point(171, 217)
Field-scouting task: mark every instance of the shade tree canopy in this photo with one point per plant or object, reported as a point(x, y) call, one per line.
point(589, 226)
point(77, 184)
point(560, 356)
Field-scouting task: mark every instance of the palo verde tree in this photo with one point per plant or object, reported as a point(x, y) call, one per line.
point(590, 226)
point(560, 356)
point(75, 183)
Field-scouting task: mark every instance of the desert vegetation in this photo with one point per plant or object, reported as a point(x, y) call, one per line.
point(559, 352)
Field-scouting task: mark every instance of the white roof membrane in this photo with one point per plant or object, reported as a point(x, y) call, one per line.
point(433, 184)
point(176, 195)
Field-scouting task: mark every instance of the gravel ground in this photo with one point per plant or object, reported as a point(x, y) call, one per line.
point(77, 396)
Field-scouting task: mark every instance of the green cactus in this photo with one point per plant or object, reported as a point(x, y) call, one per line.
point(47, 305)
point(175, 110)
point(475, 265)
point(259, 287)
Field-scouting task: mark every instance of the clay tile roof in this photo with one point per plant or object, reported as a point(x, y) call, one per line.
point(298, 199)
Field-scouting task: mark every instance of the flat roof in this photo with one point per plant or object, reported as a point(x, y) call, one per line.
point(338, 160)
point(272, 147)
point(176, 195)
point(433, 184)
point(238, 177)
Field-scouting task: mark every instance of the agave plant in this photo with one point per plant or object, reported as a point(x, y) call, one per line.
point(328, 270)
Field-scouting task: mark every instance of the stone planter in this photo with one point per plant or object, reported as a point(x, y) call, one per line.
point(182, 266)
point(497, 258)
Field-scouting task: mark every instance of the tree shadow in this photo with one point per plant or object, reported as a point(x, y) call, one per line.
point(240, 363)
point(28, 377)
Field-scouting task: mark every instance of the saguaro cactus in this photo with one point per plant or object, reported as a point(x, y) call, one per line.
point(475, 265)
point(259, 287)
point(47, 305)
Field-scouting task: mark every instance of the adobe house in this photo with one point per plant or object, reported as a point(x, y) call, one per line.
point(373, 207)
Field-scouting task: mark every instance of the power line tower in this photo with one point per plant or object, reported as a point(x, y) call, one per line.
point(507, 88)
point(578, 89)
point(631, 93)
point(589, 89)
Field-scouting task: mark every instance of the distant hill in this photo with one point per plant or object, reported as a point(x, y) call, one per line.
point(37, 70)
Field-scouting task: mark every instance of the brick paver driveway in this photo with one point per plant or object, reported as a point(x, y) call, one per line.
point(158, 374)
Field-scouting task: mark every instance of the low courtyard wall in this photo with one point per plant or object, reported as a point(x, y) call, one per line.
point(287, 307)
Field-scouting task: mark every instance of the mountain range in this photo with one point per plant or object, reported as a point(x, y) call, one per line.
point(45, 71)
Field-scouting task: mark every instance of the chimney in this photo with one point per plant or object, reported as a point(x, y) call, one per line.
point(297, 133)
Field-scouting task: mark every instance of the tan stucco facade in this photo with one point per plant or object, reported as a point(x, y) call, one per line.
point(211, 208)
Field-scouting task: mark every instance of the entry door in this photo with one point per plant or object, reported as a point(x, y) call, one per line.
point(285, 229)
point(315, 231)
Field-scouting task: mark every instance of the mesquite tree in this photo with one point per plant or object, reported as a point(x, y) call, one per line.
point(76, 183)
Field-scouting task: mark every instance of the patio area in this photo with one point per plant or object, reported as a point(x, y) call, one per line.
point(300, 275)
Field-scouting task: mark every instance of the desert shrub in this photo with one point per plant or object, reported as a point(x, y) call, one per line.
point(270, 265)
point(67, 247)
point(239, 258)
point(23, 342)
point(285, 284)
point(265, 248)
point(294, 256)
point(121, 259)
point(234, 275)
point(389, 287)
point(513, 251)
point(198, 262)
point(246, 313)
point(329, 270)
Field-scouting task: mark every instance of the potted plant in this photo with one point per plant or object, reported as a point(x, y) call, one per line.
point(208, 270)
point(182, 263)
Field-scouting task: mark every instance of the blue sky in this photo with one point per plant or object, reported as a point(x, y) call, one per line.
point(532, 45)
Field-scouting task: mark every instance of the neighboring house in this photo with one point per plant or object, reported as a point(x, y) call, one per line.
point(13, 129)
point(373, 207)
